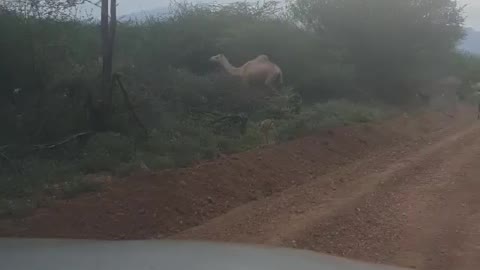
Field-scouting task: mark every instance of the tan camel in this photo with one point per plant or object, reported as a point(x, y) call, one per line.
point(259, 70)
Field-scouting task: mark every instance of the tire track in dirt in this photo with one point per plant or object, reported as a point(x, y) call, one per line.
point(402, 221)
point(443, 217)
point(370, 210)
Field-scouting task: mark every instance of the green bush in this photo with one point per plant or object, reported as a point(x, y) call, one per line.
point(391, 43)
point(16, 207)
point(77, 186)
point(160, 162)
point(380, 50)
point(34, 175)
point(330, 114)
point(249, 140)
point(104, 152)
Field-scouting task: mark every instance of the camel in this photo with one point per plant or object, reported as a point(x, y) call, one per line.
point(259, 70)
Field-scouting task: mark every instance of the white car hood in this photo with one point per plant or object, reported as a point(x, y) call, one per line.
point(43, 254)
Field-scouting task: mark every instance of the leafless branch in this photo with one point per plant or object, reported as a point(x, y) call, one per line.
point(129, 103)
point(73, 137)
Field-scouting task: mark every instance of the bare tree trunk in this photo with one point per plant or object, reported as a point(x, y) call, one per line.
point(113, 24)
point(108, 31)
point(106, 57)
point(110, 50)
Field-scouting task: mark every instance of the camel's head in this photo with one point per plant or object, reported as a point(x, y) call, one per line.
point(217, 58)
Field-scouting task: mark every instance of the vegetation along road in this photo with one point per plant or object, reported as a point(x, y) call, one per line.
point(343, 127)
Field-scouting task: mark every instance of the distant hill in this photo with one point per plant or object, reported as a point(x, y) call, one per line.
point(140, 16)
point(471, 43)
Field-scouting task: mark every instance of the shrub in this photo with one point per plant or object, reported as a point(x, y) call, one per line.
point(16, 207)
point(77, 186)
point(328, 114)
point(327, 52)
point(105, 151)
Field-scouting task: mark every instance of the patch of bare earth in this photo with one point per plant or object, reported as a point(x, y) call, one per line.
point(401, 192)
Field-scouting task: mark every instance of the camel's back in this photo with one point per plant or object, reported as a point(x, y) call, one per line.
point(261, 66)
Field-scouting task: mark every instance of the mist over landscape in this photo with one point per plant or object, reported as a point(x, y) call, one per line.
point(471, 42)
point(346, 127)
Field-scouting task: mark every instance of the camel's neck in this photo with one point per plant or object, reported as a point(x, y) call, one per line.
point(231, 69)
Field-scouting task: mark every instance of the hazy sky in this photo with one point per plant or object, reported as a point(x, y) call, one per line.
point(129, 6)
point(472, 11)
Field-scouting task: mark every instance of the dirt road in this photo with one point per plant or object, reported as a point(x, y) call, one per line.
point(405, 192)
point(414, 206)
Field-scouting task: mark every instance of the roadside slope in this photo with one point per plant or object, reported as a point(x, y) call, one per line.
point(168, 202)
point(412, 205)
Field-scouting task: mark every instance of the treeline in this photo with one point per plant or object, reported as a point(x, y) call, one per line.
point(366, 52)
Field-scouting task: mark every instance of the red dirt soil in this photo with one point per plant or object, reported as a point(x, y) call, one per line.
point(168, 202)
point(403, 191)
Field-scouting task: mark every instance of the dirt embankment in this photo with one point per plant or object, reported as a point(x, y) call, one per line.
point(413, 205)
point(168, 202)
